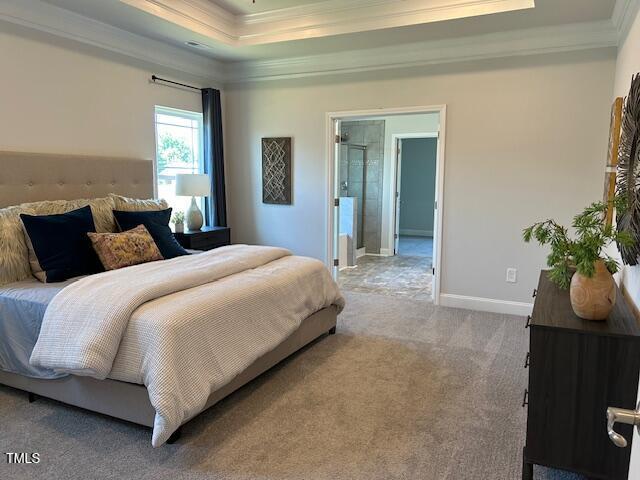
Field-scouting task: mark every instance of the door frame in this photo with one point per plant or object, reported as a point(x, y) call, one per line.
point(396, 173)
point(331, 120)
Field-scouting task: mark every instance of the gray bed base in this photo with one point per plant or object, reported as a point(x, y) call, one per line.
point(130, 402)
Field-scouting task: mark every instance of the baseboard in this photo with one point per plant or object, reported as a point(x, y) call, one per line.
point(386, 252)
point(485, 304)
point(361, 252)
point(416, 233)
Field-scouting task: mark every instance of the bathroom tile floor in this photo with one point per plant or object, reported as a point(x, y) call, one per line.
point(407, 276)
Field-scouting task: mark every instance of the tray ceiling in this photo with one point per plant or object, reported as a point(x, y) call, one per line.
point(311, 27)
point(250, 6)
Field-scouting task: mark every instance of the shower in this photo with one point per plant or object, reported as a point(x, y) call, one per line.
point(353, 172)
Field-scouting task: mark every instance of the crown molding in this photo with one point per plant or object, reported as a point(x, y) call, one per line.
point(57, 21)
point(335, 17)
point(330, 17)
point(505, 44)
point(624, 13)
point(200, 16)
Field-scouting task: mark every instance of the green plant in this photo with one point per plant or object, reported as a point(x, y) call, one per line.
point(172, 150)
point(178, 217)
point(581, 253)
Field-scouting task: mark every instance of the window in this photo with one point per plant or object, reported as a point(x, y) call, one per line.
point(178, 150)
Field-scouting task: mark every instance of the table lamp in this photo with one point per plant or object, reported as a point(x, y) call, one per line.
point(193, 185)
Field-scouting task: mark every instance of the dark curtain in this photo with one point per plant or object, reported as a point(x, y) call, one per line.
point(216, 204)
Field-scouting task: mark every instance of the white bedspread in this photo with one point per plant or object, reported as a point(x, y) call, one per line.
point(183, 327)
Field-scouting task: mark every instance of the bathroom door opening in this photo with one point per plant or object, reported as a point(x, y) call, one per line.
point(362, 216)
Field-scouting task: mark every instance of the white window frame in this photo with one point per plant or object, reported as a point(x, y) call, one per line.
point(187, 115)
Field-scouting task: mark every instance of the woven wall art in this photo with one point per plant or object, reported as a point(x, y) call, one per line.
point(276, 170)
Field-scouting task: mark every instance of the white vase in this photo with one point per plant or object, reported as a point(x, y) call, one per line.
point(179, 227)
point(194, 216)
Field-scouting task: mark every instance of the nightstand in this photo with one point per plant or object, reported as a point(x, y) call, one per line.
point(206, 239)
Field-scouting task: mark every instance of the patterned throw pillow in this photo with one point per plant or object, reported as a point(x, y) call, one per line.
point(126, 204)
point(157, 222)
point(118, 250)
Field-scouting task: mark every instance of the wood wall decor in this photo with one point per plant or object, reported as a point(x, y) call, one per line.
point(276, 170)
point(628, 175)
point(612, 158)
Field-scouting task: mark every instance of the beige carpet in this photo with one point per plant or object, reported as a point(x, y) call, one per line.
point(405, 390)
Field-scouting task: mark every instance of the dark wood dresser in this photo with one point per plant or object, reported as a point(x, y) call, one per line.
point(578, 368)
point(206, 239)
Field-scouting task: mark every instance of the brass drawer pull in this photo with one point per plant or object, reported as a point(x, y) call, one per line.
point(525, 400)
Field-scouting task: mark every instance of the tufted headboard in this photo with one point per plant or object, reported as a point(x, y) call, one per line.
point(33, 177)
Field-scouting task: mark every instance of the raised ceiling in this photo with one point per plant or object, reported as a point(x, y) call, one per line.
point(273, 39)
point(229, 33)
point(239, 7)
point(238, 30)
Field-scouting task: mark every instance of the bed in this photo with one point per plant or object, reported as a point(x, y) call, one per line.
point(28, 177)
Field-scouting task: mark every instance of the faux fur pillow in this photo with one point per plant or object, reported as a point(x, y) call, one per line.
point(14, 254)
point(101, 208)
point(125, 204)
point(119, 250)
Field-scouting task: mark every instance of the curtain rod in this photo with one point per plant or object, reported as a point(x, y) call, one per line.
point(154, 78)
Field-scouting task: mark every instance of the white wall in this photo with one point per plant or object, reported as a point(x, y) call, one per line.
point(526, 140)
point(61, 97)
point(628, 63)
point(396, 125)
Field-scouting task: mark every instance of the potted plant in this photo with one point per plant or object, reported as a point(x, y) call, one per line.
point(579, 263)
point(178, 222)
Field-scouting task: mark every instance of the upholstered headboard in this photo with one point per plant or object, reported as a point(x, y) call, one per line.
point(33, 177)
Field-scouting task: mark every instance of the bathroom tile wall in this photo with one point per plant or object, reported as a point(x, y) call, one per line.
point(371, 134)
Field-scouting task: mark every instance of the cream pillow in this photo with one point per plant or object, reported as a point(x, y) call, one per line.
point(125, 204)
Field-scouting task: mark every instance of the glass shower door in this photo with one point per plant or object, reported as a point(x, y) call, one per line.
point(356, 187)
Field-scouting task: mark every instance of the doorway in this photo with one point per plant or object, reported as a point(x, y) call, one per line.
point(414, 198)
point(374, 246)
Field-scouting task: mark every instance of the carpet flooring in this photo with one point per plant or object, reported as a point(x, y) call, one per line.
point(404, 390)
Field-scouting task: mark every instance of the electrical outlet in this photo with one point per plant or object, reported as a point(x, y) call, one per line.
point(512, 275)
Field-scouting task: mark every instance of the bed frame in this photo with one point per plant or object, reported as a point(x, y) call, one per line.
point(27, 177)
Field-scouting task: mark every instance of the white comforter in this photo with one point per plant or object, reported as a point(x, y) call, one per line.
point(183, 327)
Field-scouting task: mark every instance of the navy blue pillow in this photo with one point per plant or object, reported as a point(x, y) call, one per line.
point(157, 222)
point(61, 245)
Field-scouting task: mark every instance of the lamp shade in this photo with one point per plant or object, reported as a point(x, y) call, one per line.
point(193, 185)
